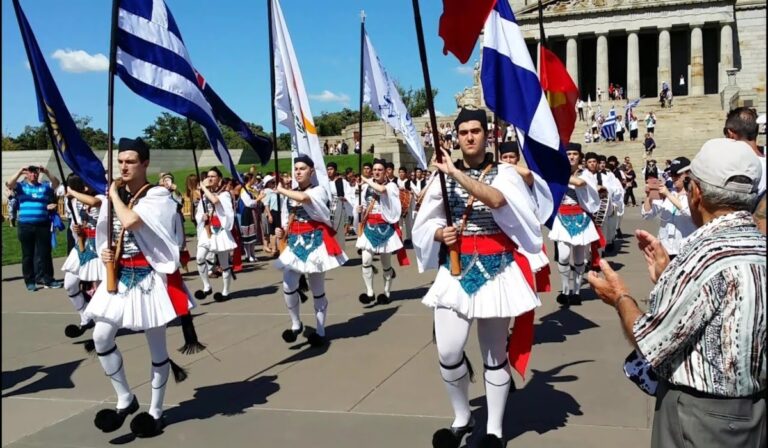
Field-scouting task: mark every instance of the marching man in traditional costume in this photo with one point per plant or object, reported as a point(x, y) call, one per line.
point(340, 205)
point(614, 192)
point(494, 214)
point(150, 292)
point(214, 234)
point(573, 229)
point(82, 264)
point(379, 231)
point(311, 248)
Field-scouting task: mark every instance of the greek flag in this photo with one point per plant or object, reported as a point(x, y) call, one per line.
point(381, 94)
point(153, 62)
point(512, 90)
point(632, 104)
point(608, 131)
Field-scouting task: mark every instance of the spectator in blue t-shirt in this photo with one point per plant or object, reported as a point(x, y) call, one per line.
point(34, 226)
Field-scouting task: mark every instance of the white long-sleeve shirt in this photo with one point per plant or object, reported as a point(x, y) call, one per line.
point(674, 224)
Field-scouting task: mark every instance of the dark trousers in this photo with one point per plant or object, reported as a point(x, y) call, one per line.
point(629, 193)
point(36, 258)
point(581, 114)
point(689, 419)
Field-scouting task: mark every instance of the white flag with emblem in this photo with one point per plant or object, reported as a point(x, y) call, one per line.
point(291, 99)
point(381, 94)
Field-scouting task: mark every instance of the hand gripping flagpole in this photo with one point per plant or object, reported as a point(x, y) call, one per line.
point(454, 251)
point(111, 265)
point(360, 121)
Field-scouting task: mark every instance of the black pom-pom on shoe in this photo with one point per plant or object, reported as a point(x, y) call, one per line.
point(219, 297)
point(451, 437)
point(365, 299)
point(200, 294)
point(290, 335)
point(144, 425)
point(563, 299)
point(110, 420)
point(574, 299)
point(490, 441)
point(382, 299)
point(73, 331)
point(316, 341)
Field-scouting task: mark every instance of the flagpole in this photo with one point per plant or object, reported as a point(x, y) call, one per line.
point(272, 98)
point(495, 138)
point(80, 238)
point(360, 122)
point(192, 145)
point(111, 266)
point(454, 252)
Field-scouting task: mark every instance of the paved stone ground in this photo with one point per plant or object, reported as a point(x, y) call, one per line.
point(376, 385)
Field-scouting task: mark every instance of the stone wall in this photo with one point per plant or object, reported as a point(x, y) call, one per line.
point(750, 29)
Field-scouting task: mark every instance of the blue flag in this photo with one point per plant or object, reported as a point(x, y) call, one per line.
point(226, 116)
point(51, 109)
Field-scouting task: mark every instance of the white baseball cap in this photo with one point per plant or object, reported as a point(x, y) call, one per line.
point(721, 159)
point(267, 179)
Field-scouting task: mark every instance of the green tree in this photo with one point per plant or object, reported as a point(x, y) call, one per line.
point(95, 138)
point(9, 144)
point(33, 137)
point(284, 142)
point(415, 100)
point(333, 123)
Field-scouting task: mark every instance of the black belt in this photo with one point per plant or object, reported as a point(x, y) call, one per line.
point(699, 394)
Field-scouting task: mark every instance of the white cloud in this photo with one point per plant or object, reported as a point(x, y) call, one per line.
point(329, 97)
point(464, 70)
point(26, 64)
point(438, 113)
point(78, 61)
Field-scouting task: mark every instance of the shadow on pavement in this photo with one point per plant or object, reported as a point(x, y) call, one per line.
point(558, 325)
point(56, 377)
point(537, 407)
point(242, 294)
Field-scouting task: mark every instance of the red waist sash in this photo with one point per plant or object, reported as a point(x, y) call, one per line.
point(215, 222)
point(486, 244)
point(331, 245)
point(402, 255)
point(89, 232)
point(175, 284)
point(570, 209)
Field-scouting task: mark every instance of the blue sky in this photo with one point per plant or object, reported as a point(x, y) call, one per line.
point(227, 41)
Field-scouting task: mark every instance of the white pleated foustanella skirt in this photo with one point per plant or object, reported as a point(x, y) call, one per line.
point(317, 261)
point(90, 271)
point(144, 305)
point(221, 241)
point(505, 295)
point(585, 237)
point(391, 245)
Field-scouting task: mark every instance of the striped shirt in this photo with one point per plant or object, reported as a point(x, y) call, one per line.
point(33, 199)
point(706, 324)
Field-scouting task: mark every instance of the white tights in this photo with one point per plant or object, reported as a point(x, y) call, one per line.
point(112, 361)
point(451, 334)
point(291, 294)
point(203, 267)
point(571, 272)
point(72, 286)
point(386, 265)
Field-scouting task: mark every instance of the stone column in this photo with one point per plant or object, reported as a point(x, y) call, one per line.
point(696, 83)
point(726, 54)
point(572, 59)
point(664, 72)
point(601, 78)
point(633, 66)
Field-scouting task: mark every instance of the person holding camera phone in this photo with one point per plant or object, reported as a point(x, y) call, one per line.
point(34, 227)
point(670, 204)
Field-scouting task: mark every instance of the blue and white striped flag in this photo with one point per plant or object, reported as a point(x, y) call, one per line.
point(632, 104)
point(608, 131)
point(153, 62)
point(512, 90)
